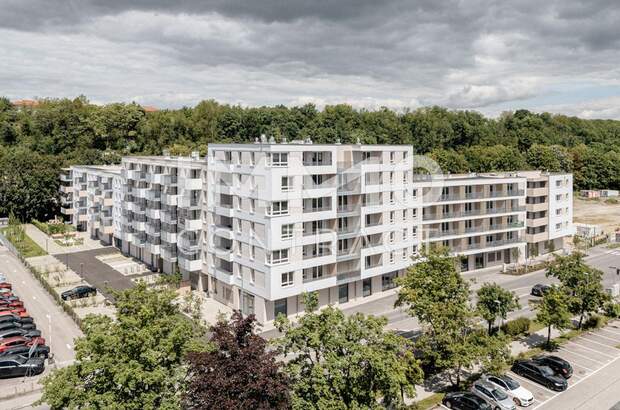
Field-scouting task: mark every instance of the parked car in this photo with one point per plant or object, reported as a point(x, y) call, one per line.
point(18, 366)
point(11, 303)
point(20, 341)
point(2, 277)
point(519, 394)
point(15, 318)
point(6, 285)
point(496, 397)
point(464, 401)
point(16, 325)
point(21, 314)
point(5, 334)
point(7, 296)
point(557, 364)
point(540, 289)
point(17, 310)
point(23, 350)
point(540, 374)
point(78, 292)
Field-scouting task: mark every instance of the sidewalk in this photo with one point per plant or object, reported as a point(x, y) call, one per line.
point(50, 246)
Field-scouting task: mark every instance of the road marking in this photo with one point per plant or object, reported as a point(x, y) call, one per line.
point(579, 381)
point(589, 348)
point(580, 355)
point(598, 343)
point(611, 331)
point(583, 367)
point(532, 381)
point(69, 346)
point(605, 337)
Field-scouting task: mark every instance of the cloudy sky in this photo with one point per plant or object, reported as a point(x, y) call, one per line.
point(555, 55)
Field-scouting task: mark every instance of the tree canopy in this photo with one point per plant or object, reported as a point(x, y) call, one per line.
point(346, 362)
point(133, 362)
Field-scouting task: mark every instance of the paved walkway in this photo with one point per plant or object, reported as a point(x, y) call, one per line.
point(51, 247)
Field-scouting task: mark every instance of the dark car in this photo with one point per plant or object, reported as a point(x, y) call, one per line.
point(557, 364)
point(30, 333)
point(18, 366)
point(78, 292)
point(540, 289)
point(20, 341)
point(540, 374)
point(464, 401)
point(39, 351)
point(8, 325)
point(15, 318)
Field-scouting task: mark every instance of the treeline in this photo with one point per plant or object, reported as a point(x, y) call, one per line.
point(63, 132)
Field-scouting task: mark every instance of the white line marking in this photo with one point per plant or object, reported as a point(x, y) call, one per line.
point(583, 367)
point(532, 381)
point(611, 331)
point(69, 346)
point(598, 343)
point(579, 381)
point(605, 337)
point(580, 355)
point(589, 348)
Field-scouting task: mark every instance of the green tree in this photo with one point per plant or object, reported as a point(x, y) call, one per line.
point(495, 301)
point(346, 362)
point(133, 362)
point(553, 311)
point(451, 340)
point(582, 283)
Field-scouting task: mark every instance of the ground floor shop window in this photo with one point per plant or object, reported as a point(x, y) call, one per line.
point(279, 307)
point(367, 287)
point(387, 280)
point(343, 293)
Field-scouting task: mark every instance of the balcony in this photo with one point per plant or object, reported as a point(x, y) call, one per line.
point(537, 237)
point(190, 265)
point(475, 229)
point(169, 199)
point(473, 212)
point(170, 237)
point(67, 211)
point(153, 213)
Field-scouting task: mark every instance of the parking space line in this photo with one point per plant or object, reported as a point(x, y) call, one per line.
point(531, 381)
point(612, 332)
point(598, 343)
point(605, 337)
point(582, 366)
point(589, 348)
point(580, 355)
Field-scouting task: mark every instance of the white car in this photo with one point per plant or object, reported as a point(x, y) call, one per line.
point(520, 395)
point(2, 277)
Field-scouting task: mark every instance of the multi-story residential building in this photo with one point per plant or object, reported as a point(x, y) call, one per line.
point(256, 225)
point(284, 219)
point(161, 213)
point(87, 195)
point(549, 211)
point(479, 217)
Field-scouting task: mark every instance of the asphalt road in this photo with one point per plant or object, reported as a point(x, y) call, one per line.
point(399, 320)
point(56, 326)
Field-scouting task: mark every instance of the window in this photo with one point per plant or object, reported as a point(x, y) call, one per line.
point(367, 287)
point(414, 193)
point(252, 205)
point(343, 293)
point(404, 253)
point(392, 198)
point(558, 226)
point(277, 257)
point(558, 211)
point(252, 252)
point(391, 257)
point(252, 158)
point(391, 178)
point(558, 183)
point(343, 224)
point(392, 237)
point(287, 184)
point(315, 272)
point(287, 231)
point(415, 232)
point(558, 197)
point(405, 234)
point(252, 276)
point(392, 217)
point(287, 279)
point(405, 177)
point(387, 281)
point(279, 208)
point(392, 157)
point(279, 307)
point(279, 159)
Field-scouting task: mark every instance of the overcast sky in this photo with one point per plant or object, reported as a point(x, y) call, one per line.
point(555, 55)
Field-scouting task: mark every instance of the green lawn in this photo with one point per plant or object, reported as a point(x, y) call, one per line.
point(27, 247)
point(429, 402)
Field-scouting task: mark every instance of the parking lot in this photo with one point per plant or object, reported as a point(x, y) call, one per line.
point(588, 354)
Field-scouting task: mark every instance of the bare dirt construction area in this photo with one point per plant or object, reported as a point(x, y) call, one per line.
point(597, 212)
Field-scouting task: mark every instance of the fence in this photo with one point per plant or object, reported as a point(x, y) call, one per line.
point(34, 272)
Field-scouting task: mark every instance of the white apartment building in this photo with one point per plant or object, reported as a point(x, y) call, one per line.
point(549, 211)
point(283, 219)
point(256, 225)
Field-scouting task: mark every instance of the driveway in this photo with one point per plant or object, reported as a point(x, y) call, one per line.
point(95, 272)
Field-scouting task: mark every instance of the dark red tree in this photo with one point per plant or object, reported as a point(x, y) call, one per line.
point(237, 373)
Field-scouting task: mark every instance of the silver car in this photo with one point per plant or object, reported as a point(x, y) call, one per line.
point(496, 397)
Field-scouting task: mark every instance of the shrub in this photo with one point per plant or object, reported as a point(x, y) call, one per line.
point(611, 201)
point(612, 310)
point(594, 322)
point(516, 327)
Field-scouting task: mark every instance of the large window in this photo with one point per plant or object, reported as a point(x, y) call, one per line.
point(287, 279)
point(343, 293)
point(287, 184)
point(387, 280)
point(279, 308)
point(367, 287)
point(279, 208)
point(279, 256)
point(287, 231)
point(279, 159)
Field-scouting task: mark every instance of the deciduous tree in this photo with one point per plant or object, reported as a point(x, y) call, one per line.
point(495, 301)
point(553, 311)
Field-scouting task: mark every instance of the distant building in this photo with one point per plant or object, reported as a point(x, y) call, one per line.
point(21, 104)
point(609, 193)
point(150, 108)
point(590, 193)
point(587, 230)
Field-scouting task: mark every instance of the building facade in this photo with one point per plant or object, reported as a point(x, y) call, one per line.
point(256, 225)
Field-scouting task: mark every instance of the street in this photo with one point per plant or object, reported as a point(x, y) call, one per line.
point(58, 329)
